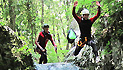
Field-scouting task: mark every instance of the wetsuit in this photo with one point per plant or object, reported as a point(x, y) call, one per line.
point(85, 30)
point(42, 40)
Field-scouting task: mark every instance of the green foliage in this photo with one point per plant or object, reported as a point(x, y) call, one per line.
point(58, 14)
point(54, 57)
point(107, 49)
point(1, 23)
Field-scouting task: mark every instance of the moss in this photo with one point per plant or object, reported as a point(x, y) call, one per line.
point(8, 58)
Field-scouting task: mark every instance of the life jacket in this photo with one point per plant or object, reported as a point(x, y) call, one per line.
point(71, 36)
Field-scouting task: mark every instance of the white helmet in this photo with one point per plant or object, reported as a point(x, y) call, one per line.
point(85, 11)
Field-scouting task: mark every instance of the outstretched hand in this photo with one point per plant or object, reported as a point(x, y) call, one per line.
point(55, 47)
point(43, 50)
point(75, 3)
point(98, 4)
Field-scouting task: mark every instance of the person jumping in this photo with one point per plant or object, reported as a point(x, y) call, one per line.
point(85, 25)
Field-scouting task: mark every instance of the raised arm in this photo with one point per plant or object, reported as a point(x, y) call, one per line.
point(78, 19)
point(98, 13)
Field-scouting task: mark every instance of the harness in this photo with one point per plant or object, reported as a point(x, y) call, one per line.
point(81, 44)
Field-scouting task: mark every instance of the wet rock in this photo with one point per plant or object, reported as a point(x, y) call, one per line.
point(84, 59)
point(56, 66)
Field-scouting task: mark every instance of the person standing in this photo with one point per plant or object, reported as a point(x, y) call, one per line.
point(41, 42)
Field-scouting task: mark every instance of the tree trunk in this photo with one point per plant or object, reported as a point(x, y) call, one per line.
point(28, 13)
point(58, 36)
point(29, 17)
point(67, 47)
point(32, 34)
point(62, 26)
point(12, 15)
point(53, 30)
point(42, 20)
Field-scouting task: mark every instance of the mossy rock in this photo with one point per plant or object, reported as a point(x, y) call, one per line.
point(8, 60)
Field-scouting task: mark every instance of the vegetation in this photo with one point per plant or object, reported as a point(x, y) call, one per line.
point(26, 17)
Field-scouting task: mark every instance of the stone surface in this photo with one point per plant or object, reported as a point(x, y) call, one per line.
point(56, 66)
point(8, 55)
point(83, 59)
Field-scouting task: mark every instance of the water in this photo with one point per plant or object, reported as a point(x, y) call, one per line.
point(56, 66)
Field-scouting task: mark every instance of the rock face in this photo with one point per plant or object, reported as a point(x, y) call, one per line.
point(8, 60)
point(109, 39)
point(56, 66)
point(84, 59)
